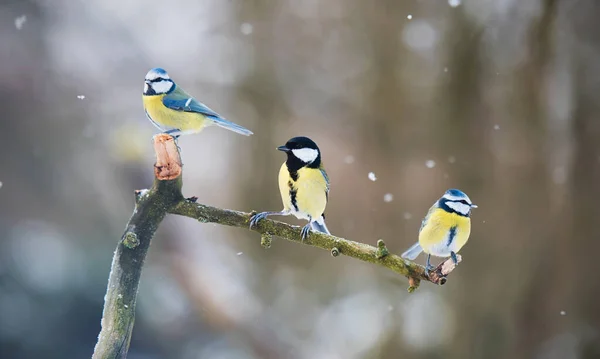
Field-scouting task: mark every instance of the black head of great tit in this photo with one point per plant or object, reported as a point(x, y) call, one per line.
point(303, 184)
point(301, 152)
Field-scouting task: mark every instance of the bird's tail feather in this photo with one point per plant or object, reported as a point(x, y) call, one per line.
point(319, 225)
point(221, 122)
point(413, 252)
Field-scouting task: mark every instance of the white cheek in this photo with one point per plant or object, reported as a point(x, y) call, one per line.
point(306, 155)
point(145, 87)
point(459, 207)
point(162, 86)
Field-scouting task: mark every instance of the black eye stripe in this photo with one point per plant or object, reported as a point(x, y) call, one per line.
point(463, 201)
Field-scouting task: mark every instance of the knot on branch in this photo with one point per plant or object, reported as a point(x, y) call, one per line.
point(335, 252)
point(130, 240)
point(439, 274)
point(413, 284)
point(168, 161)
point(265, 240)
point(382, 250)
point(140, 194)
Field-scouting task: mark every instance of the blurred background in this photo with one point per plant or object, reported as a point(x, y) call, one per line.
point(495, 97)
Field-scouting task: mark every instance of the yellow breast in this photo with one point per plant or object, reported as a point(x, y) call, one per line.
point(306, 197)
point(444, 232)
point(166, 119)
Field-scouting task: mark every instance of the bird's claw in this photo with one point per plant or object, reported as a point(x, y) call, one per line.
point(257, 218)
point(454, 259)
point(305, 232)
point(428, 269)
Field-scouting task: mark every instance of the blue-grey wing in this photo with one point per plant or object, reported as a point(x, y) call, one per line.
point(180, 100)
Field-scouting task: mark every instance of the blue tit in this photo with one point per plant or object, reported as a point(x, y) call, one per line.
point(175, 112)
point(445, 229)
point(303, 184)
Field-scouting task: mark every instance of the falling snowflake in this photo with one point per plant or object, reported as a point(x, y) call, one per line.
point(496, 127)
point(0, 184)
point(451, 159)
point(246, 28)
point(388, 197)
point(20, 21)
point(407, 215)
point(240, 253)
point(81, 97)
point(349, 159)
point(409, 17)
point(430, 163)
point(372, 176)
point(454, 3)
point(563, 313)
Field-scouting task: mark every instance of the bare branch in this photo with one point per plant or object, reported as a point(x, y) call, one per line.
point(337, 246)
point(165, 197)
point(151, 207)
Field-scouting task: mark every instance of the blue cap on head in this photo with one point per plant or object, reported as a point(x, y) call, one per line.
point(157, 72)
point(454, 194)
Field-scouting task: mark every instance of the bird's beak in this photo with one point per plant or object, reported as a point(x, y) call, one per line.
point(147, 82)
point(473, 206)
point(283, 148)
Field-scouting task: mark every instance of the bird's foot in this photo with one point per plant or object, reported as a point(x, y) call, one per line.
point(305, 231)
point(454, 259)
point(257, 218)
point(429, 268)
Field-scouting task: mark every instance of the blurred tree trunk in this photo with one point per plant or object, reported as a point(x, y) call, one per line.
point(513, 126)
point(579, 293)
point(388, 117)
point(559, 283)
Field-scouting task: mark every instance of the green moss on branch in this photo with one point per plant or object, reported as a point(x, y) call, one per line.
point(339, 246)
point(119, 303)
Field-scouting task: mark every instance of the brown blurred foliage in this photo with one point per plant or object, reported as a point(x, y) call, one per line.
point(495, 97)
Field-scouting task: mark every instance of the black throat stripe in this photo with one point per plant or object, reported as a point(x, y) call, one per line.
point(293, 193)
point(451, 235)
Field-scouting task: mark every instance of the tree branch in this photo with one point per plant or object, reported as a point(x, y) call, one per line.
point(165, 197)
point(151, 207)
point(364, 252)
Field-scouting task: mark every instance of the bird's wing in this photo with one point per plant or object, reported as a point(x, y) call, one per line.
point(180, 100)
point(326, 182)
point(424, 221)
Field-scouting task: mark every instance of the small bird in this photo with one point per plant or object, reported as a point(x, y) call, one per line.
point(303, 184)
point(175, 112)
point(445, 229)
